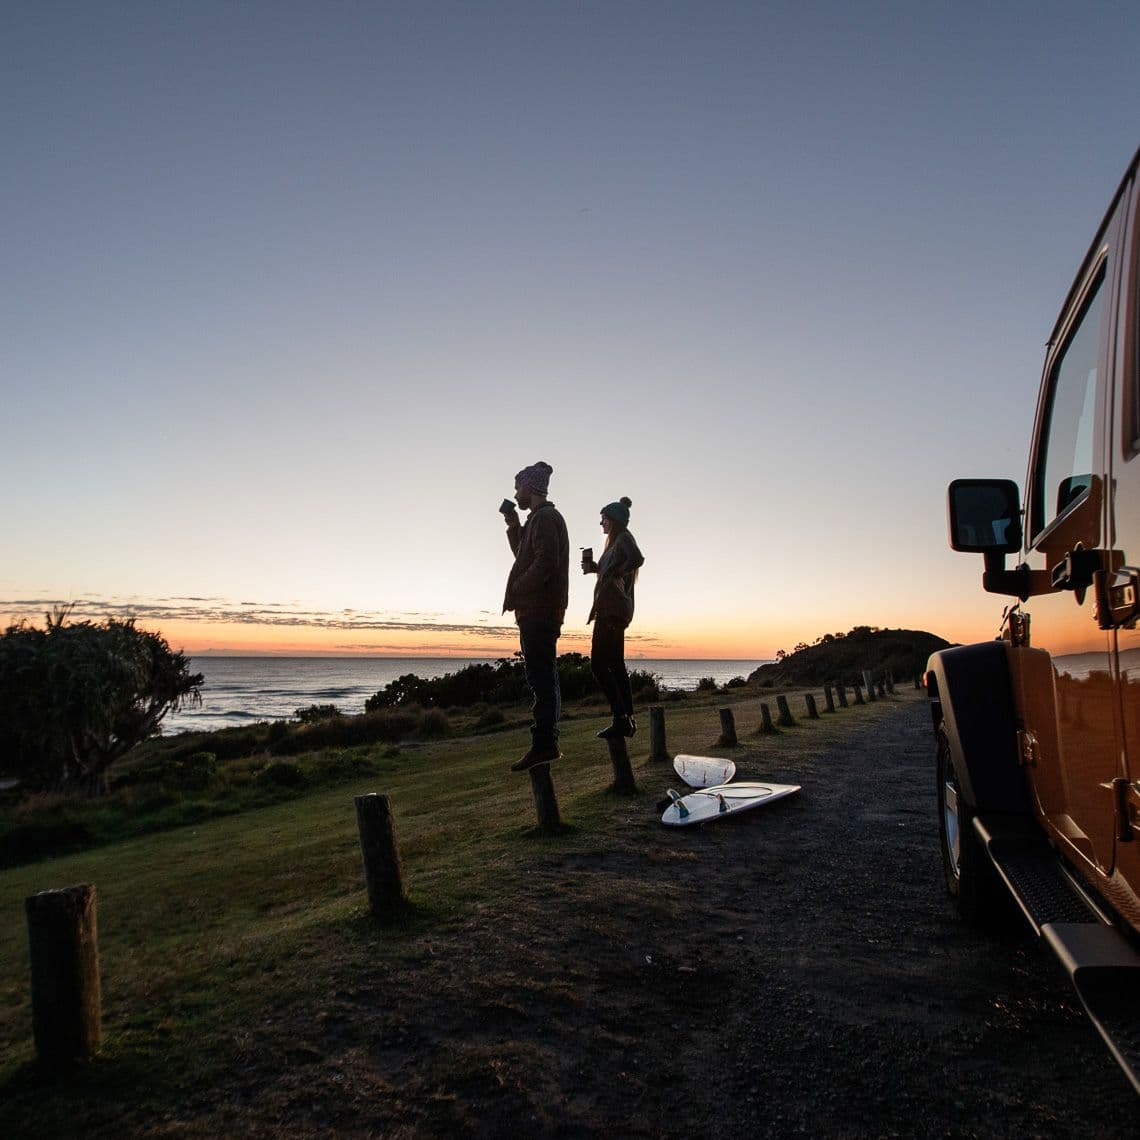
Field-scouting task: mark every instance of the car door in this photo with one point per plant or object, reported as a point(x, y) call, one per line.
point(1118, 587)
point(1074, 735)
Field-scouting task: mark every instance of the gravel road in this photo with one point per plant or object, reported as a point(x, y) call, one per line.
point(865, 1007)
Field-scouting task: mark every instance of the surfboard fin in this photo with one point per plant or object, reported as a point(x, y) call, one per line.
point(676, 797)
point(723, 806)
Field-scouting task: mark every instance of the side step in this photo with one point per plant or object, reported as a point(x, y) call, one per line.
point(1102, 965)
point(1034, 874)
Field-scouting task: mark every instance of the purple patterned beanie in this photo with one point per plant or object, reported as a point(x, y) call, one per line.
point(535, 478)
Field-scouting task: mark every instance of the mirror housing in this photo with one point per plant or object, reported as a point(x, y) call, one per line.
point(985, 517)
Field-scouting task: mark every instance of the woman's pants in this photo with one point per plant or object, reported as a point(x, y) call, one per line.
point(607, 659)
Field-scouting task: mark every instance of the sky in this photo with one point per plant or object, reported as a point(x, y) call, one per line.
point(291, 291)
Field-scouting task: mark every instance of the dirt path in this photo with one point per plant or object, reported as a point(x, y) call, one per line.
point(796, 971)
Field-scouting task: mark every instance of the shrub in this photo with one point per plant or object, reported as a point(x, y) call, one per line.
point(735, 683)
point(146, 800)
point(434, 724)
point(282, 774)
point(491, 718)
point(196, 771)
point(646, 686)
point(238, 743)
point(707, 685)
point(387, 725)
point(497, 683)
point(277, 731)
point(317, 712)
point(503, 682)
point(76, 698)
point(344, 765)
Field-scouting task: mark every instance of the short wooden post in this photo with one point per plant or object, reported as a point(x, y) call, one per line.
point(623, 773)
point(545, 801)
point(891, 683)
point(66, 996)
point(881, 689)
point(918, 680)
point(858, 693)
point(657, 749)
point(766, 724)
point(382, 874)
point(785, 719)
point(869, 684)
point(841, 694)
point(812, 711)
point(829, 697)
point(727, 729)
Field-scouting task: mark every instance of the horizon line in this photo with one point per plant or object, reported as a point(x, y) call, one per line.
point(285, 655)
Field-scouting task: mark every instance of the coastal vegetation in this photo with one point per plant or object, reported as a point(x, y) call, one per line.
point(842, 657)
point(503, 682)
point(76, 697)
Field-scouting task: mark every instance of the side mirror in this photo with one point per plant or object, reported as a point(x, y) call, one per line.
point(985, 516)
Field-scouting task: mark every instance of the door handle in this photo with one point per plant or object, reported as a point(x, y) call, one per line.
point(1075, 571)
point(1117, 597)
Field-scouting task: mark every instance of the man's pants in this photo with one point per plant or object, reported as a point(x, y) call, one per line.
point(538, 638)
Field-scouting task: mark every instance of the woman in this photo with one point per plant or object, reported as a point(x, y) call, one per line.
point(611, 612)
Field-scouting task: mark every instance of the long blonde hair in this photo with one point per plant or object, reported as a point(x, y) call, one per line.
point(617, 529)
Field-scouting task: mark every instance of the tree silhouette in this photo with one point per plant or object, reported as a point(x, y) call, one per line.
point(74, 698)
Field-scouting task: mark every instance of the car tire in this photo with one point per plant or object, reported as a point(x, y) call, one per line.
point(978, 893)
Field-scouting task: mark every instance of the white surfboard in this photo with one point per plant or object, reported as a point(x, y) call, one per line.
point(727, 799)
point(703, 771)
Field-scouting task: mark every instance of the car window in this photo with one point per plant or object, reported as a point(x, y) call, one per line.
point(1065, 453)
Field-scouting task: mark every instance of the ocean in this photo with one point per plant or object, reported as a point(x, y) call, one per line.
point(242, 690)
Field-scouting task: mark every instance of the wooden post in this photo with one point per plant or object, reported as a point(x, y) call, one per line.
point(869, 684)
point(766, 724)
point(545, 801)
point(891, 683)
point(829, 697)
point(841, 693)
point(881, 689)
point(812, 711)
point(623, 773)
point(66, 997)
point(657, 749)
point(858, 693)
point(382, 874)
point(918, 680)
point(727, 729)
point(785, 719)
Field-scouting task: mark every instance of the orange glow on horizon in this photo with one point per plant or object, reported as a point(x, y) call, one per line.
point(744, 642)
point(197, 638)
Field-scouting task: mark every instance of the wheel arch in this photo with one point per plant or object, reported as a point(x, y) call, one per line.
point(971, 697)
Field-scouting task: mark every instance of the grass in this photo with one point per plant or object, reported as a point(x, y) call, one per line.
point(219, 938)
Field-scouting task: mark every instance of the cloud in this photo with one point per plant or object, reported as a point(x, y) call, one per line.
point(219, 611)
point(489, 637)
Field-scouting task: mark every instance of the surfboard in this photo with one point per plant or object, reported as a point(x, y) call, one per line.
point(717, 802)
point(703, 771)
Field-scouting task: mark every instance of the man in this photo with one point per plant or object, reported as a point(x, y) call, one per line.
point(538, 589)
